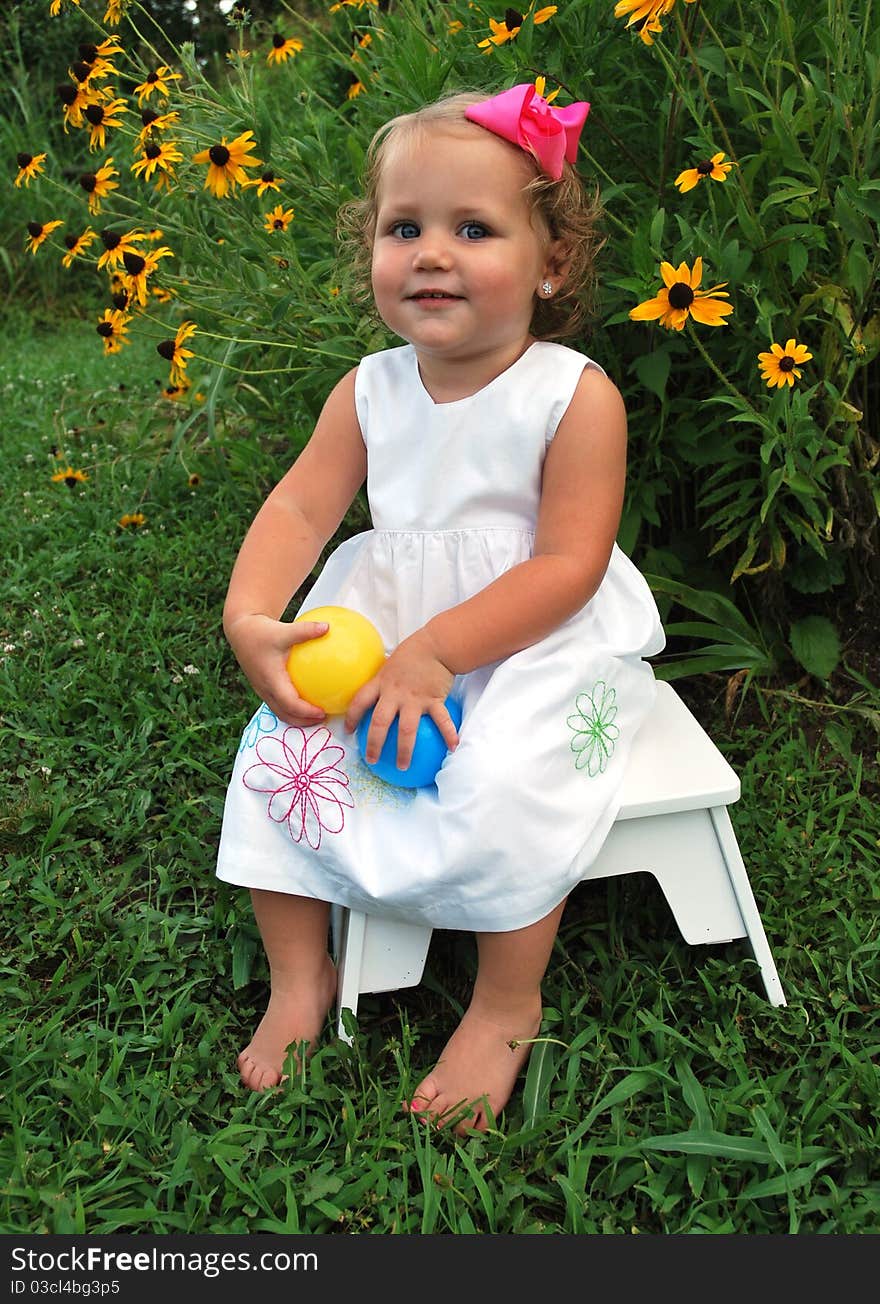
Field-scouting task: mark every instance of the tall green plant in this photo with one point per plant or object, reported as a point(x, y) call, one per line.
point(740, 136)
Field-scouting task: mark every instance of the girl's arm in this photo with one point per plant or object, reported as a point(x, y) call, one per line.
point(581, 503)
point(282, 546)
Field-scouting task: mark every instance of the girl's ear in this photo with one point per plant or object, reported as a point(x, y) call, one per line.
point(557, 263)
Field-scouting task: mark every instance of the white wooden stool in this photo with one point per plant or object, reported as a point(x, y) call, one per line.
point(673, 824)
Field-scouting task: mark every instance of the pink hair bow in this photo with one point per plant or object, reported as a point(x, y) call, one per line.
point(524, 117)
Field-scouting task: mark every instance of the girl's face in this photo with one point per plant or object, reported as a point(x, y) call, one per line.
point(457, 261)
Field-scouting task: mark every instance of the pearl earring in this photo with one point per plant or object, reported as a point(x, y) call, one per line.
point(547, 287)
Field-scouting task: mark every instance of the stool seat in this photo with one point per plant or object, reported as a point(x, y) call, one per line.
point(672, 823)
point(674, 765)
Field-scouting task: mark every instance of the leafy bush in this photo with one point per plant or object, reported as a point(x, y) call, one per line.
point(740, 136)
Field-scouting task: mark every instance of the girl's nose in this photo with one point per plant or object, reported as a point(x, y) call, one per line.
point(432, 251)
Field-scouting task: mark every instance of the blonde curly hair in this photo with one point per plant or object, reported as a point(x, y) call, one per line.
point(566, 210)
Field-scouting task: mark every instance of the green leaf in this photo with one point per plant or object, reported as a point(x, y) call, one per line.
point(536, 1091)
point(815, 644)
point(653, 370)
point(797, 260)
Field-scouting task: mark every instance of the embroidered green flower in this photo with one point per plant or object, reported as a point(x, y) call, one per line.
point(595, 732)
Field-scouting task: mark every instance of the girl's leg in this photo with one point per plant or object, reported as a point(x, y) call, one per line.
point(485, 1054)
point(294, 932)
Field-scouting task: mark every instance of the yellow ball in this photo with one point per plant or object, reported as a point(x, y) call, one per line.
point(328, 671)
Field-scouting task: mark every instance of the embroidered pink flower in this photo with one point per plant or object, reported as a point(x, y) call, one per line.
point(312, 794)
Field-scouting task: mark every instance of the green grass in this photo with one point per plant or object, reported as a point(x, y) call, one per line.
point(678, 1099)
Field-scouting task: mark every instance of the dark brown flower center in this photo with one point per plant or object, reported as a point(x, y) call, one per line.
point(153, 78)
point(786, 363)
point(95, 114)
point(67, 94)
point(105, 328)
point(165, 349)
point(88, 53)
point(680, 295)
point(278, 224)
point(35, 229)
point(278, 40)
point(110, 239)
point(119, 301)
point(24, 160)
point(268, 177)
point(71, 241)
point(148, 117)
point(133, 263)
point(153, 151)
point(219, 155)
point(705, 168)
point(512, 19)
point(81, 70)
point(71, 481)
point(88, 181)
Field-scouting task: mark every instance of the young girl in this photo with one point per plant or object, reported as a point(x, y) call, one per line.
point(495, 465)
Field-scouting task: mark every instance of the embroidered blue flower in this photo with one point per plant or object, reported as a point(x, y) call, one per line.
point(595, 732)
point(263, 721)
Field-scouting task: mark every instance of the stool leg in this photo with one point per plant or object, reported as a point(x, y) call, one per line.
point(349, 959)
point(742, 888)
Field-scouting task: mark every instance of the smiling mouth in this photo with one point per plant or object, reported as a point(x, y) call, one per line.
point(434, 294)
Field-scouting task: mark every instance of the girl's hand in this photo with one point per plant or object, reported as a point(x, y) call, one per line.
point(413, 682)
point(261, 646)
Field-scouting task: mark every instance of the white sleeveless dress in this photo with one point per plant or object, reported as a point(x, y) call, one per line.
point(522, 806)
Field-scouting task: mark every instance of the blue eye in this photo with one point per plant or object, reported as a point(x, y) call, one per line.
point(474, 230)
point(405, 230)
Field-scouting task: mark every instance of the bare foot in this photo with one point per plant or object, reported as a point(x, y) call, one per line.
point(293, 1015)
point(478, 1067)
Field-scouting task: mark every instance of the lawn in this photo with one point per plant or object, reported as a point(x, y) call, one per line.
point(673, 1098)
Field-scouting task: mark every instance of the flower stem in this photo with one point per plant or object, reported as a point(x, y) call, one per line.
point(717, 370)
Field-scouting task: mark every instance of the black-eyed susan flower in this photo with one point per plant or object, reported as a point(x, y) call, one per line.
point(354, 89)
point(115, 8)
point(38, 232)
point(174, 352)
point(29, 165)
point(282, 48)
point(132, 521)
point(158, 157)
point(353, 4)
point(647, 14)
point(194, 480)
point(780, 366)
point(176, 392)
point(158, 81)
point(139, 268)
point(56, 6)
point(154, 121)
point(509, 26)
point(714, 167)
point(101, 118)
point(268, 181)
point(680, 298)
point(98, 185)
point(279, 219)
point(77, 245)
point(113, 328)
point(70, 477)
point(75, 99)
point(540, 87)
point(361, 44)
point(226, 163)
point(89, 52)
point(161, 295)
point(115, 245)
point(94, 66)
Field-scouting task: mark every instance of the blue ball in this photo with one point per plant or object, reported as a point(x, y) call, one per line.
point(428, 753)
